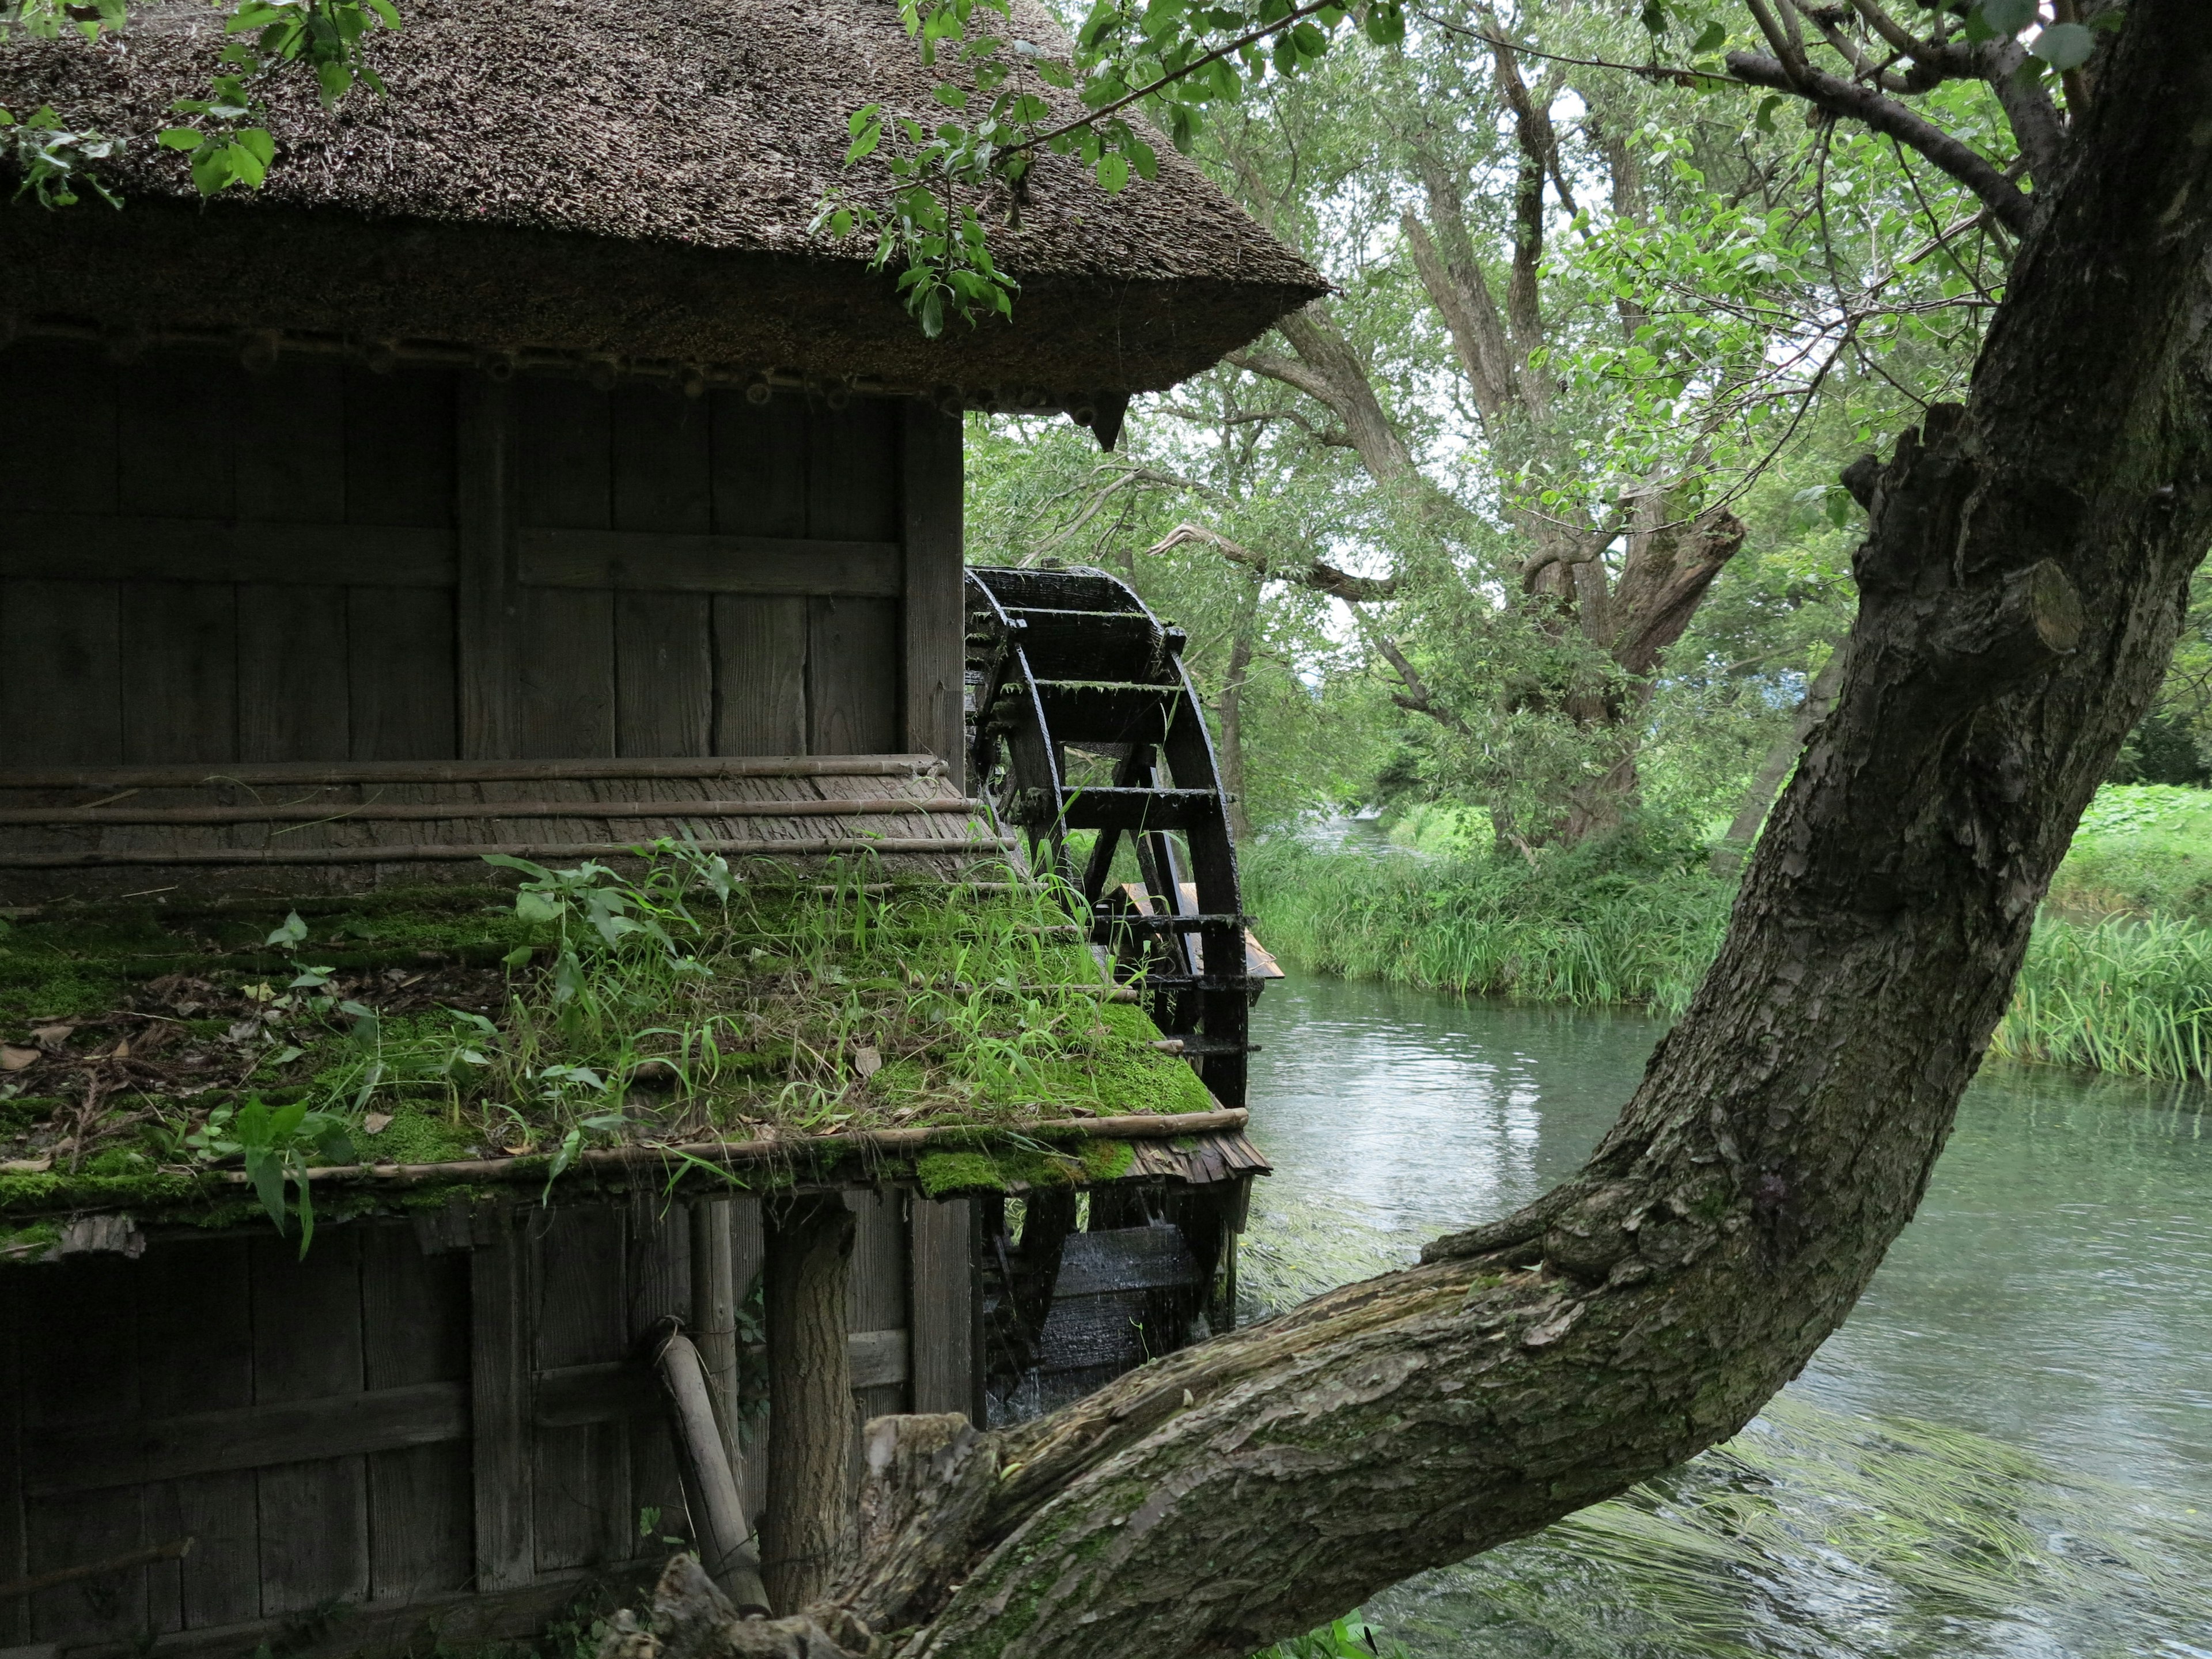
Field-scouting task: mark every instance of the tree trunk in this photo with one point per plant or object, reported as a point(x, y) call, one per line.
point(1820, 697)
point(2021, 588)
point(1231, 706)
point(808, 1251)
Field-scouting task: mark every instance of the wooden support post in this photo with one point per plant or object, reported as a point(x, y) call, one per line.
point(485, 547)
point(725, 1552)
point(809, 1390)
point(948, 1308)
point(14, 1556)
point(714, 1315)
point(935, 602)
point(500, 1403)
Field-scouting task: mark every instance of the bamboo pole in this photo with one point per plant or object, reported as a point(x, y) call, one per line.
point(726, 1550)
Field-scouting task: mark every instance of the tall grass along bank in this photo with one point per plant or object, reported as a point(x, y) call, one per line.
point(2127, 993)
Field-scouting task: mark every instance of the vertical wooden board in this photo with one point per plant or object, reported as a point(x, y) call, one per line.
point(760, 675)
point(15, 1617)
point(401, 674)
point(663, 674)
point(57, 427)
point(852, 470)
point(564, 452)
point(877, 1300)
point(486, 487)
point(656, 1501)
point(175, 413)
point(758, 459)
point(308, 1346)
point(661, 444)
point(581, 1313)
point(400, 432)
point(61, 674)
point(419, 1521)
point(935, 605)
point(947, 1308)
point(499, 1315)
point(290, 446)
point(748, 1253)
point(564, 652)
point(414, 1321)
point(294, 685)
point(179, 672)
point(584, 1513)
point(195, 1317)
point(853, 677)
point(658, 1265)
point(80, 1347)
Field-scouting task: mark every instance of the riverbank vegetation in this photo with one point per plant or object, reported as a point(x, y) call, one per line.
point(2118, 977)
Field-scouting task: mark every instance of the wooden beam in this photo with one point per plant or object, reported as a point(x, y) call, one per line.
point(488, 491)
point(14, 1553)
point(447, 811)
point(638, 561)
point(467, 851)
point(98, 547)
point(305, 773)
point(88, 1457)
point(936, 606)
point(500, 1402)
point(948, 1308)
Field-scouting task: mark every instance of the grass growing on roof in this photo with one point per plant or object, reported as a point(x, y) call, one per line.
point(586, 1009)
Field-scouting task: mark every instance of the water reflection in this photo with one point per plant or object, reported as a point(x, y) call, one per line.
point(2054, 1295)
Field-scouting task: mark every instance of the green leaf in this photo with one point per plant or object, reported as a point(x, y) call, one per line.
point(2005, 17)
point(289, 933)
point(1113, 173)
point(1767, 105)
point(2064, 45)
point(170, 137)
point(1713, 38)
point(1654, 16)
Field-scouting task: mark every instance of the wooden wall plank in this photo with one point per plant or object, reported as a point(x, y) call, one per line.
point(947, 1308)
point(652, 560)
point(290, 444)
point(499, 1307)
point(81, 1361)
point(485, 508)
point(15, 1615)
point(936, 607)
point(400, 446)
point(660, 449)
point(852, 470)
point(564, 675)
point(760, 676)
point(853, 677)
point(294, 684)
point(565, 438)
point(36, 544)
point(61, 674)
point(415, 1317)
point(658, 1239)
point(876, 1298)
point(663, 674)
point(59, 445)
point(759, 460)
point(582, 1302)
point(179, 660)
point(748, 1253)
point(402, 674)
point(308, 1346)
point(194, 1314)
point(175, 413)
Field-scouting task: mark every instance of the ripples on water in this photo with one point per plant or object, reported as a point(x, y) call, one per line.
point(2007, 1450)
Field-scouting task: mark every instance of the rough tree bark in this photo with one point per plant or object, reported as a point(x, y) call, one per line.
point(2022, 585)
point(807, 1249)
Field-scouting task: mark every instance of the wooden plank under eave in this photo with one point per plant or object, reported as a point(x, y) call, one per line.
point(101, 547)
point(640, 560)
point(14, 1613)
point(499, 1404)
point(936, 615)
point(944, 1365)
point(484, 569)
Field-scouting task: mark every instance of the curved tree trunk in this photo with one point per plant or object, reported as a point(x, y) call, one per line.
point(2023, 586)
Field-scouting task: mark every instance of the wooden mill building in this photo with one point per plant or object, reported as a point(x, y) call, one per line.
point(513, 473)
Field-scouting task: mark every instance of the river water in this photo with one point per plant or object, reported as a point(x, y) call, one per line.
point(2007, 1449)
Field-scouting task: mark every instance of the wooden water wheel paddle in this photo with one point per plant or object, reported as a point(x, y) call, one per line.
point(1085, 719)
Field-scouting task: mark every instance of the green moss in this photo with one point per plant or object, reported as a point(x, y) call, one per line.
point(995, 1171)
point(1107, 1160)
point(418, 1136)
point(29, 1244)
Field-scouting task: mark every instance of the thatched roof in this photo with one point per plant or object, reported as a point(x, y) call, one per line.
point(596, 176)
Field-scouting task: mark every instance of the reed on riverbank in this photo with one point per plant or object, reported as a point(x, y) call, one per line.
point(1624, 924)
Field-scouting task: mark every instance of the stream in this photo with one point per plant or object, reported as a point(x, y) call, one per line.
point(2006, 1450)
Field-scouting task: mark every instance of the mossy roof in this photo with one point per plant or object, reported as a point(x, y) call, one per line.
point(595, 1028)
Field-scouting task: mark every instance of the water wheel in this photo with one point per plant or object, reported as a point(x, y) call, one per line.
point(1085, 719)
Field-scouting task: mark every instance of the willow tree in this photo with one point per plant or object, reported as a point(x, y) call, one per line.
point(2023, 583)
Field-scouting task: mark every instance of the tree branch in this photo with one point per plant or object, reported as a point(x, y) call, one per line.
point(2005, 199)
point(1315, 574)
